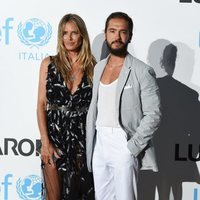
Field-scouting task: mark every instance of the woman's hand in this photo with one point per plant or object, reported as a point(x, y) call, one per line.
point(48, 154)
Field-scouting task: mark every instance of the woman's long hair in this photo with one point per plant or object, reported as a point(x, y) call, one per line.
point(85, 57)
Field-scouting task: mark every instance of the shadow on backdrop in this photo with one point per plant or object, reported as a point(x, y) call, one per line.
point(155, 54)
point(99, 48)
point(185, 65)
point(177, 139)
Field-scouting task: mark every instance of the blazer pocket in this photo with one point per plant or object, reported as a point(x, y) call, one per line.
point(128, 87)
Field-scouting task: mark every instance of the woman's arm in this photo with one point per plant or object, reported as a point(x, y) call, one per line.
point(47, 150)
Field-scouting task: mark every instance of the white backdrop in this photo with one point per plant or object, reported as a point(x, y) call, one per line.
point(156, 24)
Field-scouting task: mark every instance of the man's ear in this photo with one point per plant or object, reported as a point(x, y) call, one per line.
point(130, 38)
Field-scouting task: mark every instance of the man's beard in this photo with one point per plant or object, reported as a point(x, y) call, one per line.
point(120, 51)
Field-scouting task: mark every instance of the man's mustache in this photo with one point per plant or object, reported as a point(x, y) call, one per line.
point(117, 41)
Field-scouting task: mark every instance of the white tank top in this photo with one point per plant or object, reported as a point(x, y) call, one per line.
point(107, 112)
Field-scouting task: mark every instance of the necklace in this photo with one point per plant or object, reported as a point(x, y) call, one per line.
point(73, 76)
point(73, 62)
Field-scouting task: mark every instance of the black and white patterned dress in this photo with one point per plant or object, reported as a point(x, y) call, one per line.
point(66, 121)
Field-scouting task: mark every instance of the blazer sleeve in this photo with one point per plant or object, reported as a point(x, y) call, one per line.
point(151, 111)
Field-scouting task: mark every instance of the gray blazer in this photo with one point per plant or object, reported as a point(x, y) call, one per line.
point(138, 106)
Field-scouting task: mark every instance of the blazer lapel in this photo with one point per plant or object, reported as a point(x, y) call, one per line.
point(97, 77)
point(121, 81)
point(126, 68)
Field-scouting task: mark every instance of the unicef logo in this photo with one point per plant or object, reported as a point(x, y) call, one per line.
point(30, 188)
point(34, 32)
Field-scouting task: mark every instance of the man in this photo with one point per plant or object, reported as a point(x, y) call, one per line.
point(123, 116)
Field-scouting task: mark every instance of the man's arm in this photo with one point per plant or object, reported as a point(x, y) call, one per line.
point(151, 109)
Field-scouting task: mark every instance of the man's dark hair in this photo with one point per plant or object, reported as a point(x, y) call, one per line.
point(121, 15)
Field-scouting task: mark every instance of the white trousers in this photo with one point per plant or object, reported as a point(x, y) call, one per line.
point(115, 169)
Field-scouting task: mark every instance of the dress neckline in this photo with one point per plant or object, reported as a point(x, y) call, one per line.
point(78, 86)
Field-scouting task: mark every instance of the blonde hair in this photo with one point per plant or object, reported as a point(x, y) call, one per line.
point(85, 57)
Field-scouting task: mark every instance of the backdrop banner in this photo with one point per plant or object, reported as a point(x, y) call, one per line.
point(163, 31)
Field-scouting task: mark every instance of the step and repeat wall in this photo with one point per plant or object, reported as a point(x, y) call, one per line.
point(28, 33)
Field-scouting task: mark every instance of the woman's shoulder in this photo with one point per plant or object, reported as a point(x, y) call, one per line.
point(47, 63)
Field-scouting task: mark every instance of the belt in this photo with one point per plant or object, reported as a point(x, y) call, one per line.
point(65, 108)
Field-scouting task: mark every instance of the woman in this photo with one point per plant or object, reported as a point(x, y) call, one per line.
point(64, 96)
